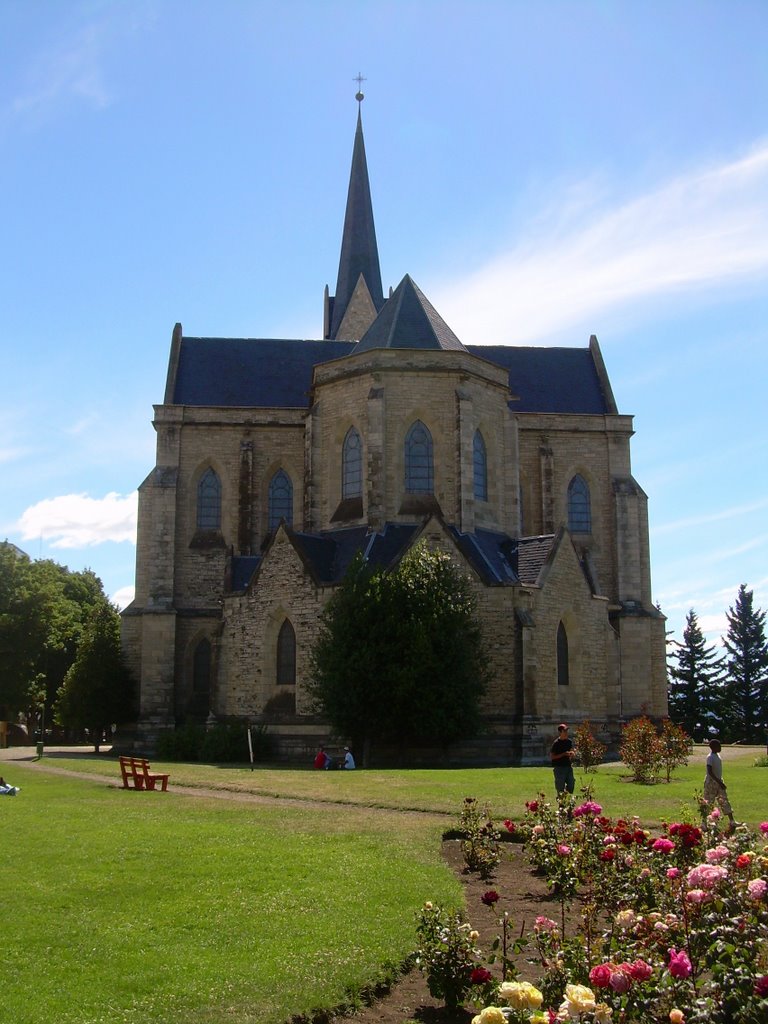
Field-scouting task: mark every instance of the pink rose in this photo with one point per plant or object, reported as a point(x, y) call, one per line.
point(714, 814)
point(600, 976)
point(640, 970)
point(621, 981)
point(696, 896)
point(706, 876)
point(764, 827)
point(716, 854)
point(544, 924)
point(663, 845)
point(679, 964)
point(563, 850)
point(757, 888)
point(673, 873)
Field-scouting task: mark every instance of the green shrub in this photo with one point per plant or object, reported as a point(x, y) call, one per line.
point(223, 744)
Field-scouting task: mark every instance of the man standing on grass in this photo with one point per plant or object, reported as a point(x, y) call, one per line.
point(715, 790)
point(561, 756)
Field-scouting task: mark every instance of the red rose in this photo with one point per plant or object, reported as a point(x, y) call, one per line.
point(490, 897)
point(480, 976)
point(600, 976)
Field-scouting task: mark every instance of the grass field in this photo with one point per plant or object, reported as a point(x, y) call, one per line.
point(507, 789)
point(150, 908)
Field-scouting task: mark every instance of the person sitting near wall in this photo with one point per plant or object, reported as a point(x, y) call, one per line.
point(349, 761)
point(321, 758)
point(6, 789)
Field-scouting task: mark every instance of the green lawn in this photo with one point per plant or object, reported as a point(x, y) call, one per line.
point(155, 908)
point(507, 789)
point(150, 907)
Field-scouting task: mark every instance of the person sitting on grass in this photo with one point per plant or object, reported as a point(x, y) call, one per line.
point(6, 789)
point(349, 761)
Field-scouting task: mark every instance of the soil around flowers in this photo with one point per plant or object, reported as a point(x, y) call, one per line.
point(522, 894)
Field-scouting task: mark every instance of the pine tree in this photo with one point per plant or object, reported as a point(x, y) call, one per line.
point(746, 688)
point(695, 688)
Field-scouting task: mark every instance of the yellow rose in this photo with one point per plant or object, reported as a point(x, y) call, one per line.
point(676, 1016)
point(521, 995)
point(603, 1014)
point(578, 999)
point(491, 1015)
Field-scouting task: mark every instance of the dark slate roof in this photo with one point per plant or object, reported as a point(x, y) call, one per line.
point(329, 553)
point(250, 372)
point(271, 372)
point(359, 252)
point(409, 320)
point(242, 569)
point(562, 380)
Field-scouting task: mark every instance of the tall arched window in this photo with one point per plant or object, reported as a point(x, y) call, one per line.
point(209, 501)
point(579, 509)
point(480, 467)
point(286, 655)
point(563, 675)
point(419, 474)
point(352, 465)
point(280, 499)
point(201, 681)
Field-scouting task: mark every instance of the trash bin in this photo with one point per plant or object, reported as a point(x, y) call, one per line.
point(40, 749)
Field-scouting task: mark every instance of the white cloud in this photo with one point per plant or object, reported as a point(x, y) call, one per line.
point(123, 597)
point(713, 517)
point(704, 229)
point(73, 70)
point(78, 521)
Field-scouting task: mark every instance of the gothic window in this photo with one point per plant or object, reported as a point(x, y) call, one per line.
point(579, 509)
point(480, 467)
point(563, 677)
point(286, 655)
point(419, 473)
point(280, 499)
point(201, 680)
point(352, 465)
point(209, 501)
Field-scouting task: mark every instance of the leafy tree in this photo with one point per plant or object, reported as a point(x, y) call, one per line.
point(746, 687)
point(400, 655)
point(43, 606)
point(98, 688)
point(589, 750)
point(695, 681)
point(676, 746)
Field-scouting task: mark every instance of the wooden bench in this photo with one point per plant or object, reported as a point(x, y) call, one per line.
point(136, 770)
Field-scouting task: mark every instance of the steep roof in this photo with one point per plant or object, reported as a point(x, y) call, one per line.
point(409, 320)
point(359, 251)
point(277, 373)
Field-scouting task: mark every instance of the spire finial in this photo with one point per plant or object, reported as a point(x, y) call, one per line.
point(359, 95)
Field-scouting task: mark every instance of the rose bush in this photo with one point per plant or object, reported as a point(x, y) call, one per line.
point(670, 927)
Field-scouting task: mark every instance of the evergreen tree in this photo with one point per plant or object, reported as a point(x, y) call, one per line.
point(98, 689)
point(400, 655)
point(695, 682)
point(746, 688)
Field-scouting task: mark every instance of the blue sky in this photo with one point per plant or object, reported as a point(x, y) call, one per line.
point(544, 171)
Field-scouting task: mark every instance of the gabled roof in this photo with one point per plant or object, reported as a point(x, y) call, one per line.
point(262, 373)
point(249, 372)
point(409, 320)
point(359, 252)
point(557, 380)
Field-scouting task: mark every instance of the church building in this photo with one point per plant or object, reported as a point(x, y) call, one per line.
point(278, 460)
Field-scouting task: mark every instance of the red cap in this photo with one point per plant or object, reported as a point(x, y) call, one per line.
point(562, 726)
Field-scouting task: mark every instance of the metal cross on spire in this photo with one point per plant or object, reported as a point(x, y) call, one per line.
point(359, 95)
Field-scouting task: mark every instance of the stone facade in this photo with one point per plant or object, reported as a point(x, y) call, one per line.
point(522, 474)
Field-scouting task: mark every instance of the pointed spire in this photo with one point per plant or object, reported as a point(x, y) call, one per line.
point(359, 252)
point(409, 320)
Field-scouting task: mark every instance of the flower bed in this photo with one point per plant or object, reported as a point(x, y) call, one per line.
point(670, 927)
